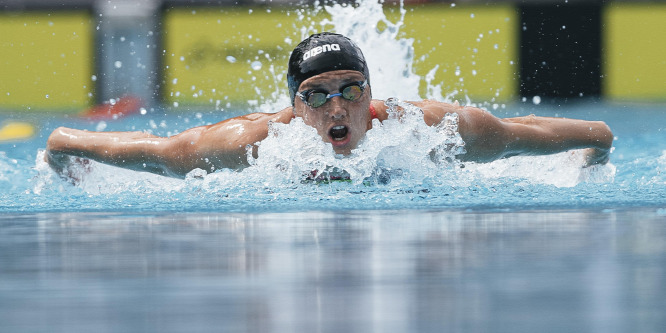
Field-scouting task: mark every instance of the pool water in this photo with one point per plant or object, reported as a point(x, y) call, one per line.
point(634, 177)
point(542, 245)
point(525, 244)
point(391, 170)
point(589, 270)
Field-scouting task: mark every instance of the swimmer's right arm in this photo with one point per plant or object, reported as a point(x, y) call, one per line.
point(212, 147)
point(130, 150)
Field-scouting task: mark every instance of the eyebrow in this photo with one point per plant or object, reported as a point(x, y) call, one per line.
point(309, 86)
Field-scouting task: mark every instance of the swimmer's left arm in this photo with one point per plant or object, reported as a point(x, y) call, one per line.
point(499, 138)
point(533, 135)
point(488, 138)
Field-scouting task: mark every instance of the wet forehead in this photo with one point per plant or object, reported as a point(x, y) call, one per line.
point(332, 80)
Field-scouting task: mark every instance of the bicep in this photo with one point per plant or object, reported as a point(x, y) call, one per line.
point(222, 145)
point(486, 137)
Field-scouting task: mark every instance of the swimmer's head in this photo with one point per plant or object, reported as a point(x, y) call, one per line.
point(321, 53)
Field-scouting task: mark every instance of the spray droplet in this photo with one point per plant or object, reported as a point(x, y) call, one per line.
point(231, 59)
point(100, 126)
point(118, 64)
point(536, 100)
point(256, 65)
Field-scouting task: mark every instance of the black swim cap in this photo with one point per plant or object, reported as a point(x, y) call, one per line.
point(321, 53)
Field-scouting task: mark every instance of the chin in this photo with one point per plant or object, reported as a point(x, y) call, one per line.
point(343, 147)
point(343, 151)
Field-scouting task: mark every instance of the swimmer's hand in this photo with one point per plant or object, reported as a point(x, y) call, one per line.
point(596, 156)
point(70, 168)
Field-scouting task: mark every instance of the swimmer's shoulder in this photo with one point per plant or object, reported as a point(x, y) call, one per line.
point(380, 109)
point(428, 106)
point(252, 124)
point(284, 116)
point(433, 111)
point(245, 129)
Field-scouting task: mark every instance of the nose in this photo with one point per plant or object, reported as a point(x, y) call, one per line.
point(336, 108)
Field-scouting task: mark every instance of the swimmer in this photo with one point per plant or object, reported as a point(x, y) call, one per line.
point(330, 89)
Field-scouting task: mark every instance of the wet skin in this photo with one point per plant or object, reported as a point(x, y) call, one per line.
point(330, 118)
point(341, 122)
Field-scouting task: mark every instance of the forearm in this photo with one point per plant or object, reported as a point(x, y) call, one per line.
point(131, 150)
point(541, 135)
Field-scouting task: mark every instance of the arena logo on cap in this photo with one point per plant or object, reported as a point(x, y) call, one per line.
point(321, 49)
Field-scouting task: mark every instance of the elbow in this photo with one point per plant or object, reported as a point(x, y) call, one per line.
point(171, 158)
point(604, 137)
point(56, 142)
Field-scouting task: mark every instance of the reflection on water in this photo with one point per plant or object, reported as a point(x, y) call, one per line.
point(334, 272)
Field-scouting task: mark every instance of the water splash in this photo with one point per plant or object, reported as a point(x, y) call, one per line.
point(401, 152)
point(11, 175)
point(390, 75)
point(560, 170)
point(401, 145)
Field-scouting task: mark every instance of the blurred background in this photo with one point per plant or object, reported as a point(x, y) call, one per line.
point(69, 55)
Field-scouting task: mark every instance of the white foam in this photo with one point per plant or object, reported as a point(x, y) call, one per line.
point(403, 144)
point(403, 148)
point(560, 170)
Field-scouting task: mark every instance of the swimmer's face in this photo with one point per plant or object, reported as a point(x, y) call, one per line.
point(341, 122)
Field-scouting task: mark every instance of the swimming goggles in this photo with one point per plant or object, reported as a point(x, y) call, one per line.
point(314, 98)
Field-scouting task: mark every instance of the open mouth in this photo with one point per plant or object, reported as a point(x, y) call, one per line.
point(338, 133)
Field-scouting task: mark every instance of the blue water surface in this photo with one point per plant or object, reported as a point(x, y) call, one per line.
point(354, 271)
point(490, 254)
point(635, 179)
